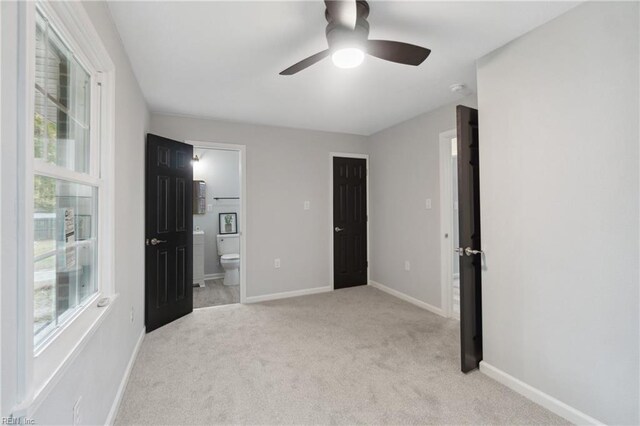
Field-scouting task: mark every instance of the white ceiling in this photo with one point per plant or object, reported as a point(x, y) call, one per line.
point(222, 59)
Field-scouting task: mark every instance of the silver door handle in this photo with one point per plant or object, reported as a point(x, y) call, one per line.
point(337, 229)
point(155, 241)
point(459, 250)
point(468, 251)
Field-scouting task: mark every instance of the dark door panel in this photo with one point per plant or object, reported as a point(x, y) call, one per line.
point(349, 222)
point(169, 236)
point(470, 243)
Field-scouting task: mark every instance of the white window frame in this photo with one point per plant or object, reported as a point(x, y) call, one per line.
point(39, 371)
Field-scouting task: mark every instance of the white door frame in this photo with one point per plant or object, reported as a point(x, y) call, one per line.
point(446, 225)
point(331, 232)
point(242, 149)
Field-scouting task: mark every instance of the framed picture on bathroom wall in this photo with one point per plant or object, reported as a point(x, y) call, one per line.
point(228, 223)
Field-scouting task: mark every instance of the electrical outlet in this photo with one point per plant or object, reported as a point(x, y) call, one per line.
point(276, 263)
point(76, 412)
point(209, 208)
point(307, 205)
point(428, 203)
point(407, 265)
point(131, 315)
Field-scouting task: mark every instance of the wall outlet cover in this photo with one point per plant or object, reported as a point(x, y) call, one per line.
point(276, 263)
point(407, 265)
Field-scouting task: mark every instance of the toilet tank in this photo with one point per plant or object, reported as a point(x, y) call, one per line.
point(228, 244)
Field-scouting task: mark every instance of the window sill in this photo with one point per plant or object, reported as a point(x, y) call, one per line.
point(53, 359)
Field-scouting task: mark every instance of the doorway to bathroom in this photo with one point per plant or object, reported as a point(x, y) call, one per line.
point(462, 257)
point(450, 264)
point(218, 224)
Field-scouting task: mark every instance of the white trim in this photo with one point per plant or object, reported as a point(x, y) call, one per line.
point(536, 395)
point(2, 354)
point(111, 418)
point(215, 276)
point(93, 315)
point(288, 294)
point(73, 24)
point(446, 244)
point(331, 232)
point(242, 149)
point(25, 179)
point(407, 298)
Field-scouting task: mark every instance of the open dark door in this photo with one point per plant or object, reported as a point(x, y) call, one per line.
point(169, 235)
point(349, 222)
point(469, 247)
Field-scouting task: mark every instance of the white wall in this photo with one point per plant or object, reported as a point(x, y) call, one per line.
point(96, 372)
point(559, 189)
point(285, 167)
point(9, 219)
point(220, 170)
point(404, 173)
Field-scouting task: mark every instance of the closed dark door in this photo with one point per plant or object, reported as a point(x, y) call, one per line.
point(469, 247)
point(349, 222)
point(169, 235)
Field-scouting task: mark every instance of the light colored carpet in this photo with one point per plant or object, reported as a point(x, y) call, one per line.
point(214, 293)
point(352, 356)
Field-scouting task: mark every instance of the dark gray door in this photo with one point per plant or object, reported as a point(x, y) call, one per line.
point(169, 235)
point(469, 245)
point(349, 222)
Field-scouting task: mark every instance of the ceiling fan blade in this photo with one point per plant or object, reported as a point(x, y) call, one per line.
point(343, 12)
point(395, 51)
point(305, 63)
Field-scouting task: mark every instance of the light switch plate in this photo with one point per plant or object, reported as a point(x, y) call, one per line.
point(407, 265)
point(428, 204)
point(307, 205)
point(276, 263)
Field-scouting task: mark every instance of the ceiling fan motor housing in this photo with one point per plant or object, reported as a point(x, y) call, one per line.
point(347, 35)
point(339, 36)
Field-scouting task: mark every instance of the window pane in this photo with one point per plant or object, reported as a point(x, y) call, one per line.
point(65, 250)
point(62, 104)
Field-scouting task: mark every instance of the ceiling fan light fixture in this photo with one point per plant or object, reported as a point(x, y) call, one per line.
point(349, 57)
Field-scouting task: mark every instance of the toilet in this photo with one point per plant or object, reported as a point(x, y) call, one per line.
point(229, 252)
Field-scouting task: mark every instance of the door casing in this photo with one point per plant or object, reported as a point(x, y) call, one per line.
point(242, 149)
point(330, 228)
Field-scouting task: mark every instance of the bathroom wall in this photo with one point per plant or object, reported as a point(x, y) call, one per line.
point(559, 165)
point(455, 222)
point(220, 170)
point(285, 168)
point(405, 172)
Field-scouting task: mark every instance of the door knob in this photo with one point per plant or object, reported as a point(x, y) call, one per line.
point(338, 229)
point(155, 241)
point(468, 251)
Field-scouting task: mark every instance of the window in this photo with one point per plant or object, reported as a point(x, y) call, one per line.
point(66, 183)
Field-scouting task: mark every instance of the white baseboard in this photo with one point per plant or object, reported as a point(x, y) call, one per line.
point(287, 294)
point(407, 298)
point(111, 418)
point(214, 276)
point(547, 401)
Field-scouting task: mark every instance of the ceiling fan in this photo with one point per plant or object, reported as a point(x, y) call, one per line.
point(347, 34)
